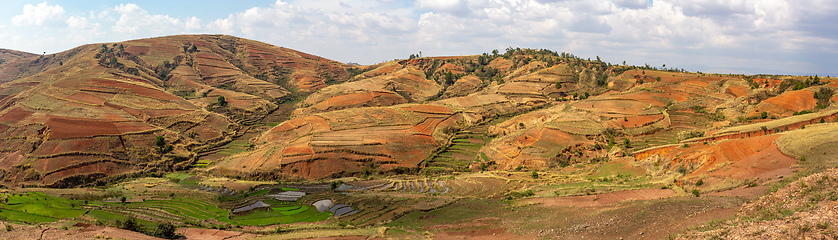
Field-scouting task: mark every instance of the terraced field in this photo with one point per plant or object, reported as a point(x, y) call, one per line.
point(36, 207)
point(462, 152)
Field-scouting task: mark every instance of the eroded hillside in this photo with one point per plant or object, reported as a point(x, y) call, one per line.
point(103, 111)
point(538, 109)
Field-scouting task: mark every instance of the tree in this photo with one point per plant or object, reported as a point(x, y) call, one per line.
point(222, 101)
point(131, 224)
point(122, 200)
point(160, 141)
point(534, 174)
point(165, 230)
point(193, 49)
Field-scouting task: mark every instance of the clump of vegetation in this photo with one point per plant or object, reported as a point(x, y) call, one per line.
point(222, 101)
point(696, 192)
point(682, 170)
point(130, 224)
point(522, 194)
point(165, 230)
point(160, 142)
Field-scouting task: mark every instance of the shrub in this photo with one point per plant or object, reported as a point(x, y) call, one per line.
point(696, 193)
point(699, 182)
point(534, 174)
point(130, 224)
point(222, 101)
point(682, 170)
point(160, 141)
point(165, 230)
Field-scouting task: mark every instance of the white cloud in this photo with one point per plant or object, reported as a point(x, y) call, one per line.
point(222, 25)
point(193, 24)
point(77, 22)
point(449, 6)
point(772, 34)
point(39, 15)
point(133, 18)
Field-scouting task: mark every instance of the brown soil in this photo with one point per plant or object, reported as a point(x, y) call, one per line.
point(604, 199)
point(79, 231)
point(211, 234)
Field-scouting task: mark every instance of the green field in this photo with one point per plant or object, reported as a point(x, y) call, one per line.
point(36, 207)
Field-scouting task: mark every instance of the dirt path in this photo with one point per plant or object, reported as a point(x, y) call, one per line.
point(604, 199)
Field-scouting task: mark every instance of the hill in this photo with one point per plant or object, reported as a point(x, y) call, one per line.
point(96, 112)
point(215, 131)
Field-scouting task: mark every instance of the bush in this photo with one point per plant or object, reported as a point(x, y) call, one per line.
point(699, 182)
point(130, 224)
point(527, 193)
point(165, 230)
point(682, 170)
point(222, 101)
point(160, 141)
point(696, 193)
point(534, 174)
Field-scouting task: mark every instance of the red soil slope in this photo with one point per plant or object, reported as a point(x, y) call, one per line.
point(89, 117)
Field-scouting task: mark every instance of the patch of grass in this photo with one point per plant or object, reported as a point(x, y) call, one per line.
point(35, 207)
point(276, 217)
point(235, 146)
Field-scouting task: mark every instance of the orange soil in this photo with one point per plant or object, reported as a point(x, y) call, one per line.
point(612, 107)
point(755, 157)
point(433, 109)
point(365, 99)
point(635, 121)
point(737, 91)
point(787, 103)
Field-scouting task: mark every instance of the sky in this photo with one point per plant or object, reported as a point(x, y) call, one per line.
point(798, 37)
